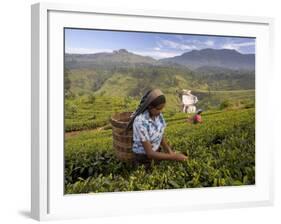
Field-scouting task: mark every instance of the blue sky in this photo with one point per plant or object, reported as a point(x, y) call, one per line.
point(156, 45)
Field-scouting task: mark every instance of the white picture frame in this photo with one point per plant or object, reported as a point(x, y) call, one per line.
point(47, 199)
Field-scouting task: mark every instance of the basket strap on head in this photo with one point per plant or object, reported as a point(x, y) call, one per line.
point(144, 103)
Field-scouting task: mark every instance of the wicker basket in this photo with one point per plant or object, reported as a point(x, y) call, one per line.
point(122, 139)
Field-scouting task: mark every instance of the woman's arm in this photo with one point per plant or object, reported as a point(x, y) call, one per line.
point(166, 146)
point(160, 155)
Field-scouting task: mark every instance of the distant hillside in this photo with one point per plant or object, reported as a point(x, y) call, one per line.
point(127, 81)
point(124, 74)
point(215, 58)
point(119, 58)
point(219, 78)
point(136, 81)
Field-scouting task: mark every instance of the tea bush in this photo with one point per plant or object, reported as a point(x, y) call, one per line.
point(221, 152)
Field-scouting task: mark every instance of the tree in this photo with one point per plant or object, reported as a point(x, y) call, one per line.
point(67, 83)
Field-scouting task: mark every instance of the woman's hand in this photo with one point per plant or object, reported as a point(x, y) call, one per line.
point(161, 155)
point(179, 157)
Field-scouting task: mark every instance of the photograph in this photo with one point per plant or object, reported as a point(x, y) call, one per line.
point(150, 111)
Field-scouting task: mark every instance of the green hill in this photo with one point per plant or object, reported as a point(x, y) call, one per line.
point(135, 81)
point(211, 90)
point(98, 85)
point(123, 73)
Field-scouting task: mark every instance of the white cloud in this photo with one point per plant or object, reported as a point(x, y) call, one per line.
point(157, 49)
point(157, 54)
point(246, 44)
point(185, 44)
point(237, 46)
point(230, 46)
point(176, 45)
point(86, 50)
point(209, 43)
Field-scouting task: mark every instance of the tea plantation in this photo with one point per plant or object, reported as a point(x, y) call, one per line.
point(221, 152)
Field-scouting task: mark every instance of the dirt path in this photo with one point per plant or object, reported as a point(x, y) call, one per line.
point(74, 133)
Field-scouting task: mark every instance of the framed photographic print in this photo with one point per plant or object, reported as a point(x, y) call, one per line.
point(148, 111)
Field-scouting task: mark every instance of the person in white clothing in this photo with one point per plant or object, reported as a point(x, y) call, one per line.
point(188, 101)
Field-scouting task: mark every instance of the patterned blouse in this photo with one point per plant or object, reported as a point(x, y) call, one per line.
point(147, 129)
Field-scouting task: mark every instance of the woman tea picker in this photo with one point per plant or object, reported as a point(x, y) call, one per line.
point(148, 129)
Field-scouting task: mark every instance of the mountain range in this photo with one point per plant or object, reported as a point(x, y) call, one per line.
point(119, 58)
point(195, 59)
point(223, 58)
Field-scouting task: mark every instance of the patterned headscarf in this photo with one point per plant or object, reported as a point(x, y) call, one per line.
point(146, 100)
